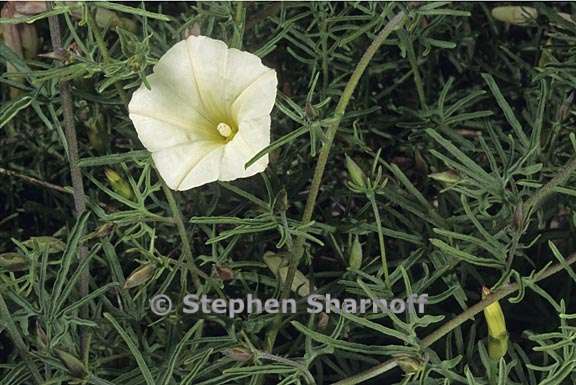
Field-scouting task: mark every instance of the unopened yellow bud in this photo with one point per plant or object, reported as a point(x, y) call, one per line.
point(119, 185)
point(497, 333)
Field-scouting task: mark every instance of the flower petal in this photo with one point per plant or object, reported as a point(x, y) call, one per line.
point(252, 137)
point(208, 59)
point(189, 165)
point(256, 100)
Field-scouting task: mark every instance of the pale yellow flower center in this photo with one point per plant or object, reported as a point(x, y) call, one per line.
point(224, 130)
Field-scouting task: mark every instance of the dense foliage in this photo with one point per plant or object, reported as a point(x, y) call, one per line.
point(460, 138)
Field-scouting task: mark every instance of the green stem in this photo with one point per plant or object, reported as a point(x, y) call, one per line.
point(105, 53)
point(75, 173)
point(466, 315)
point(396, 22)
point(186, 250)
point(549, 187)
point(239, 25)
point(14, 334)
point(415, 71)
point(372, 199)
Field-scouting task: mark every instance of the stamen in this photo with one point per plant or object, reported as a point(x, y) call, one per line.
point(224, 130)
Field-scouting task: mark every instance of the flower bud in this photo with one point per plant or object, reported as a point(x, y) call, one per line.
point(224, 273)
point(119, 185)
point(517, 15)
point(355, 258)
point(49, 244)
point(140, 276)
point(357, 176)
point(447, 177)
point(279, 266)
point(323, 320)
point(29, 40)
point(409, 365)
point(73, 364)
point(13, 262)
point(281, 201)
point(238, 354)
point(41, 336)
point(497, 333)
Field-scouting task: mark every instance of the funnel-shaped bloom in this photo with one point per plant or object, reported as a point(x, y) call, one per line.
point(207, 113)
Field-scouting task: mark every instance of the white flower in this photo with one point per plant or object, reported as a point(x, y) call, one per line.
point(207, 113)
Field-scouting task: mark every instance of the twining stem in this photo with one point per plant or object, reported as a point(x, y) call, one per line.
point(396, 22)
point(34, 181)
point(548, 188)
point(13, 332)
point(415, 71)
point(466, 315)
point(104, 51)
point(186, 250)
point(372, 199)
point(75, 173)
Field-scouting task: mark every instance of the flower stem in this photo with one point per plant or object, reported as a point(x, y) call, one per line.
point(372, 199)
point(14, 333)
point(396, 22)
point(536, 198)
point(75, 173)
point(186, 250)
point(466, 315)
point(105, 53)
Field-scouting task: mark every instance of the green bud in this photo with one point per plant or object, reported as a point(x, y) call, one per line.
point(238, 354)
point(282, 201)
point(279, 266)
point(50, 244)
point(409, 365)
point(357, 176)
point(73, 364)
point(119, 185)
point(356, 255)
point(447, 177)
point(140, 276)
point(517, 15)
point(14, 262)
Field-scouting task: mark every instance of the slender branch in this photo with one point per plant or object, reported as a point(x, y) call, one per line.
point(466, 315)
point(415, 71)
point(34, 181)
point(75, 173)
point(186, 250)
point(19, 343)
point(384, 261)
point(396, 22)
point(549, 187)
point(105, 53)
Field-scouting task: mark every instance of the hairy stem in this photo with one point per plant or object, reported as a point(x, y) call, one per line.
point(549, 187)
point(105, 53)
point(372, 199)
point(396, 22)
point(186, 250)
point(75, 173)
point(466, 315)
point(14, 333)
